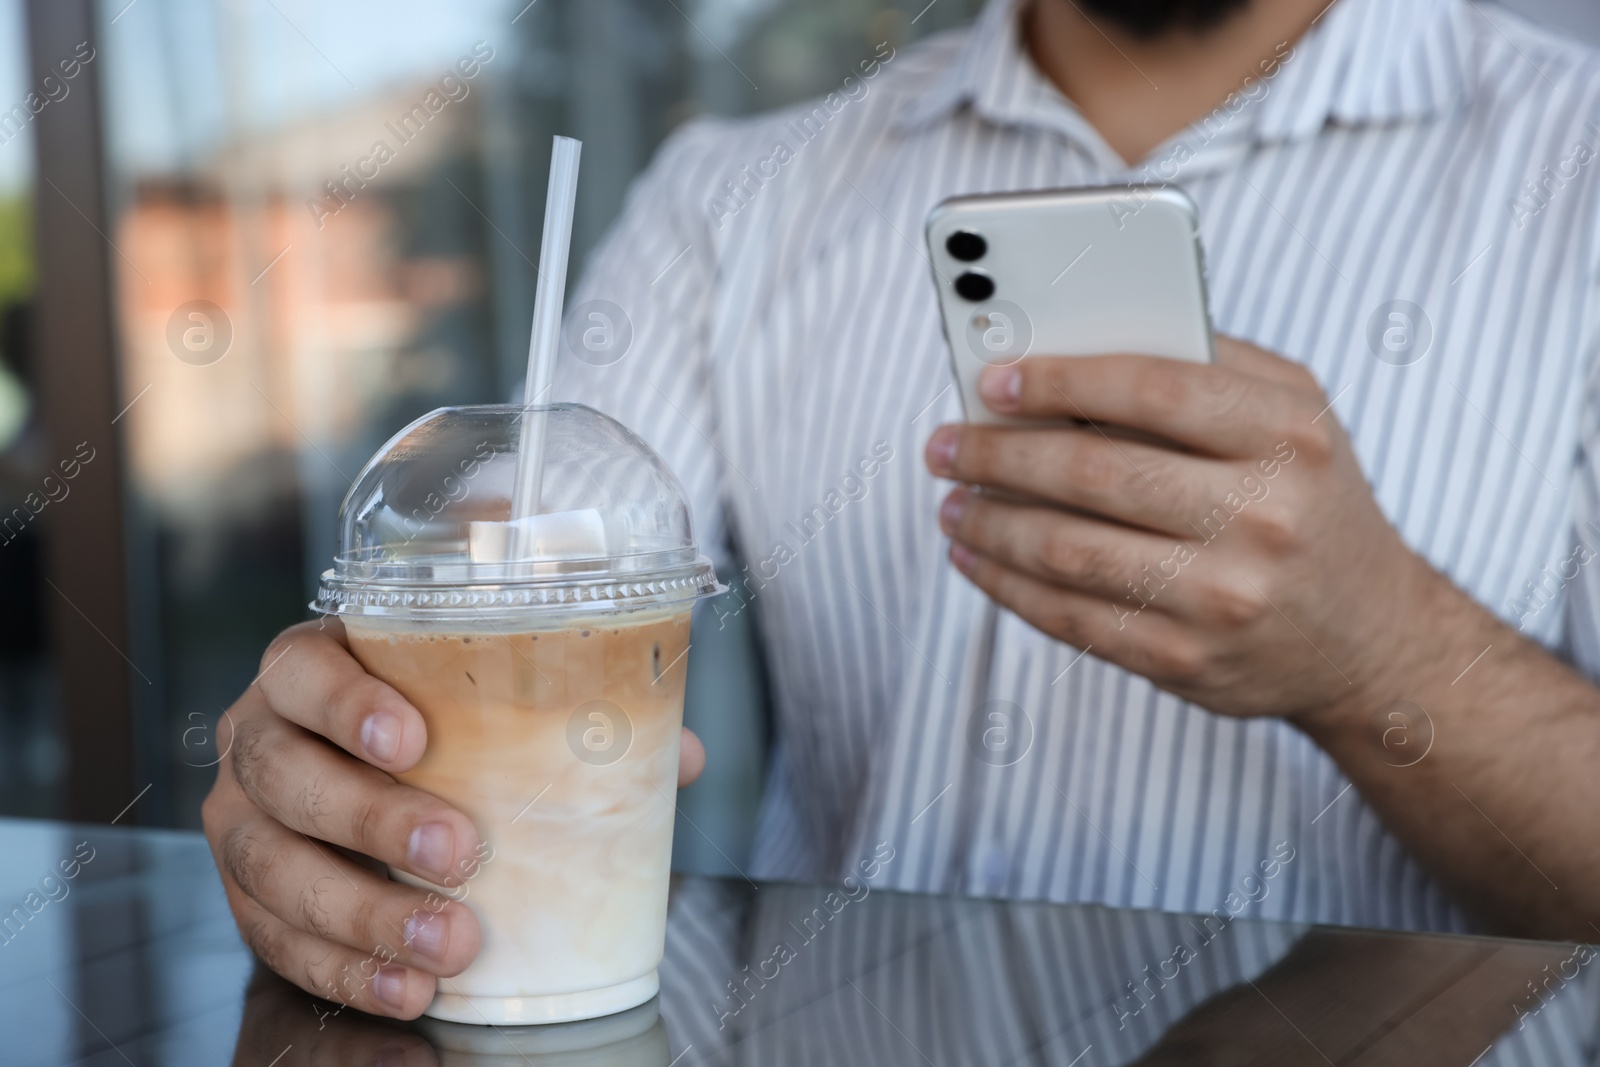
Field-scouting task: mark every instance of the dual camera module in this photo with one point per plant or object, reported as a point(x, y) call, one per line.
point(969, 248)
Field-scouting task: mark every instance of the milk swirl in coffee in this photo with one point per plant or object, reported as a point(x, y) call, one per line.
point(562, 746)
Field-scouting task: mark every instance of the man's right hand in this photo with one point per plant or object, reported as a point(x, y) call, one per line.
point(304, 814)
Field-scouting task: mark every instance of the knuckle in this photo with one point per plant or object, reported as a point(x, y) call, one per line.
point(1058, 555)
point(1236, 603)
point(1179, 659)
point(1162, 391)
point(363, 920)
point(367, 822)
point(1273, 526)
point(246, 861)
point(1061, 622)
point(276, 650)
point(249, 755)
point(1067, 557)
point(266, 945)
point(1313, 441)
point(1099, 568)
point(1095, 469)
point(314, 908)
point(349, 701)
point(1211, 521)
point(325, 977)
point(1227, 394)
point(312, 804)
point(210, 817)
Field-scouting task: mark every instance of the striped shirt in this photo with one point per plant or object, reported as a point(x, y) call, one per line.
point(1428, 158)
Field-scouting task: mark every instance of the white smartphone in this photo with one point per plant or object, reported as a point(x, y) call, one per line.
point(1070, 272)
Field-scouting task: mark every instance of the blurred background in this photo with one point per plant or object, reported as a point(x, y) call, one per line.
point(278, 300)
point(216, 299)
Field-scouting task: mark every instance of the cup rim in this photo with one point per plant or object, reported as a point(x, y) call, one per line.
point(548, 591)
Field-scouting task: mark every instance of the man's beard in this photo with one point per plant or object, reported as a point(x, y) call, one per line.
point(1153, 18)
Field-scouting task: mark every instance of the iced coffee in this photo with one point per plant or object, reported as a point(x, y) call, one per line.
point(552, 688)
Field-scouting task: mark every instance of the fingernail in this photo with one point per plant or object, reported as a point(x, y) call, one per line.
point(942, 448)
point(426, 934)
point(380, 736)
point(963, 557)
point(389, 986)
point(950, 512)
point(1001, 387)
point(431, 848)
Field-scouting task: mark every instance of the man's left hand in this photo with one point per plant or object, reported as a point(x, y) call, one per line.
point(1241, 562)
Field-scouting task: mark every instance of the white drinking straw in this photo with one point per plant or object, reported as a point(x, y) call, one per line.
point(545, 336)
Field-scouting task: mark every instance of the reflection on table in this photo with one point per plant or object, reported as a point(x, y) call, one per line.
point(134, 960)
point(782, 974)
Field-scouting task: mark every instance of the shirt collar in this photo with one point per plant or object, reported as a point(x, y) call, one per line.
point(1371, 62)
point(1363, 62)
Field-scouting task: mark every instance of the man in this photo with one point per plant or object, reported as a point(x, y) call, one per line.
point(1291, 631)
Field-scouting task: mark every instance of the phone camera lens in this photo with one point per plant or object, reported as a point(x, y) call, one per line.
point(975, 287)
point(966, 247)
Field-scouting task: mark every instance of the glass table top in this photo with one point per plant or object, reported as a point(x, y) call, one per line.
point(134, 960)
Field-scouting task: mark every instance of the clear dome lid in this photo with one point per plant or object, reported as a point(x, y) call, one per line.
point(426, 530)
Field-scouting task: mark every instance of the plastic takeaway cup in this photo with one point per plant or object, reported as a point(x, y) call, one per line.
point(552, 688)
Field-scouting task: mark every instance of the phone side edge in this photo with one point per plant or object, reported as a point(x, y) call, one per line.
point(935, 214)
point(1175, 196)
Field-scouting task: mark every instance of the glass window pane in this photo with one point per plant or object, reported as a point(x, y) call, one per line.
point(31, 755)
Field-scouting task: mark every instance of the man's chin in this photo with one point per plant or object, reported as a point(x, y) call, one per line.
point(1155, 18)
